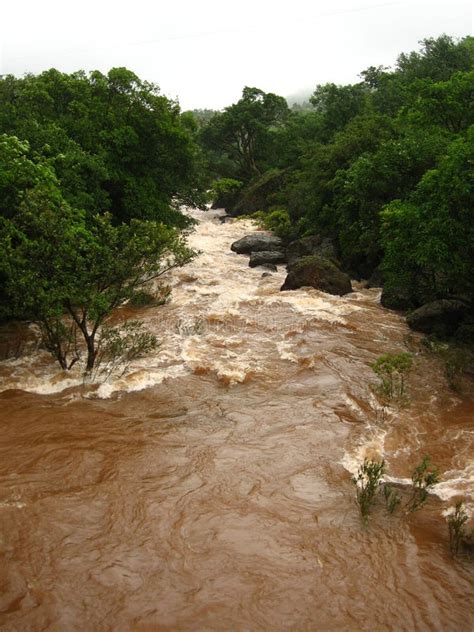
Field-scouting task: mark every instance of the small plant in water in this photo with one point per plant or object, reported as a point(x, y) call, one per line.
point(392, 499)
point(424, 477)
point(119, 346)
point(456, 525)
point(367, 482)
point(392, 369)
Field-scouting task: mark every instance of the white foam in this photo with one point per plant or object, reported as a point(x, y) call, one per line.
point(137, 381)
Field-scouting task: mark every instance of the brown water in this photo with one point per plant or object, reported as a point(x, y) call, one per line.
point(219, 496)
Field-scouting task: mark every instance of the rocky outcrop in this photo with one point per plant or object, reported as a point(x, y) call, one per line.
point(319, 273)
point(260, 194)
point(263, 257)
point(441, 317)
point(257, 242)
point(397, 298)
point(308, 246)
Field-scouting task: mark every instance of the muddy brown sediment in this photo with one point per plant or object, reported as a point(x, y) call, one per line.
point(219, 498)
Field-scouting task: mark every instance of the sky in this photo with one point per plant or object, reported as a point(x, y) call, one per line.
point(203, 52)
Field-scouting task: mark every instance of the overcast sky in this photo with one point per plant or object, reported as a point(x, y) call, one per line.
point(205, 51)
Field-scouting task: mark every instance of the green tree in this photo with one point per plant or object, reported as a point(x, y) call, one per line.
point(429, 238)
point(339, 104)
point(68, 270)
point(245, 130)
point(116, 144)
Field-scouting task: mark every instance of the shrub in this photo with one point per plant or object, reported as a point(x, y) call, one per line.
point(392, 499)
point(392, 369)
point(367, 483)
point(119, 346)
point(224, 192)
point(146, 298)
point(424, 477)
point(456, 525)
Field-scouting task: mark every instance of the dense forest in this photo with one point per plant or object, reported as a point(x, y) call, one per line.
point(94, 169)
point(383, 167)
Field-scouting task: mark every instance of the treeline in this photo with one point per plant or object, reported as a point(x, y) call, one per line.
point(383, 167)
point(93, 170)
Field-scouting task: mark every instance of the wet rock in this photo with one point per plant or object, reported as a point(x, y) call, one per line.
point(266, 257)
point(225, 218)
point(319, 273)
point(269, 266)
point(259, 193)
point(441, 317)
point(397, 298)
point(256, 242)
point(308, 246)
point(266, 274)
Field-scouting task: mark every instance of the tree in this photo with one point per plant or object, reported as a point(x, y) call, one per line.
point(429, 237)
point(67, 270)
point(116, 144)
point(244, 130)
point(438, 58)
point(339, 104)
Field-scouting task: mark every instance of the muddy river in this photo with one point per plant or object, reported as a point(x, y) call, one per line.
point(210, 488)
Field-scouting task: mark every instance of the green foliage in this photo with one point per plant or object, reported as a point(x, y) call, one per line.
point(458, 535)
point(244, 131)
point(339, 104)
point(392, 369)
point(115, 144)
point(277, 221)
point(455, 359)
point(429, 238)
point(383, 167)
point(367, 483)
point(119, 346)
point(224, 192)
point(68, 271)
point(392, 499)
point(424, 477)
point(144, 297)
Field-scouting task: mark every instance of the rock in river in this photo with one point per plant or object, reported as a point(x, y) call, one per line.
point(265, 257)
point(440, 317)
point(256, 242)
point(319, 273)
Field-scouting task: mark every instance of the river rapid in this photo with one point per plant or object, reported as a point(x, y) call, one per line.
point(210, 487)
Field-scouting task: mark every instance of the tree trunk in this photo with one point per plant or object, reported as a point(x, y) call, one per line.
point(91, 352)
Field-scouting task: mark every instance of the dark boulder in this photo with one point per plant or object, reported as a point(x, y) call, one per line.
point(441, 317)
point(319, 273)
point(266, 274)
point(397, 298)
point(265, 257)
point(256, 242)
point(311, 245)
